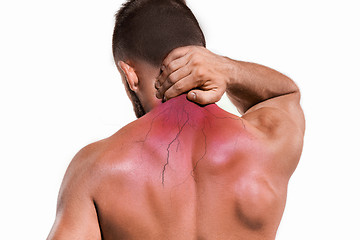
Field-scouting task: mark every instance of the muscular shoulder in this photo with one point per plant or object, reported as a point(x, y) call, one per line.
point(78, 176)
point(92, 159)
point(115, 151)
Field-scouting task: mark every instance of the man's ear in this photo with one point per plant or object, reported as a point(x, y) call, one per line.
point(130, 75)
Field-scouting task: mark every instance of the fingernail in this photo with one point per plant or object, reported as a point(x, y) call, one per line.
point(157, 84)
point(162, 68)
point(193, 96)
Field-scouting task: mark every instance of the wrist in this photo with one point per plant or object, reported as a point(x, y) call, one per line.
point(232, 72)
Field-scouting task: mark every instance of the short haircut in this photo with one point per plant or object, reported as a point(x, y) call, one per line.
point(149, 29)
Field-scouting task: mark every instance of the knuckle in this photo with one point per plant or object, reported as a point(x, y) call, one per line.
point(178, 87)
point(197, 61)
point(171, 67)
point(197, 54)
point(171, 79)
point(199, 73)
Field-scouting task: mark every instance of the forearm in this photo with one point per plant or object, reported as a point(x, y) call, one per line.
point(249, 84)
point(206, 76)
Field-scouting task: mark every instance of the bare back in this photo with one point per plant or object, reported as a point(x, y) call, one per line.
point(186, 172)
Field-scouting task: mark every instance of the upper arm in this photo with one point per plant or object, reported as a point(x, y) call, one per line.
point(76, 216)
point(281, 122)
point(273, 113)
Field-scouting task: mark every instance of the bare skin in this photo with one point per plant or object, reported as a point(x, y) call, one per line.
point(188, 171)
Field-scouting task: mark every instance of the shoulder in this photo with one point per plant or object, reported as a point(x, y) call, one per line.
point(91, 161)
point(280, 120)
point(97, 157)
point(78, 176)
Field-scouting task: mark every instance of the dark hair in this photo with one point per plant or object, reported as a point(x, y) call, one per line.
point(149, 29)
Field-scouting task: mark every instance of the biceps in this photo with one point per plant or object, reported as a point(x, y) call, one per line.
point(76, 220)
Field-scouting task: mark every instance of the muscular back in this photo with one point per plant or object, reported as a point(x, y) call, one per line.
point(181, 172)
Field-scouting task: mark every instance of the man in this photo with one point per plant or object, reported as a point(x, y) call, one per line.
point(186, 169)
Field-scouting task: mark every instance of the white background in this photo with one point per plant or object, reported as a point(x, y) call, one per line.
point(60, 90)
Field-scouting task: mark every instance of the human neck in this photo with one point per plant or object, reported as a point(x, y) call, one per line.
point(181, 103)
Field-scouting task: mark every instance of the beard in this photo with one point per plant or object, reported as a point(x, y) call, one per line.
point(138, 108)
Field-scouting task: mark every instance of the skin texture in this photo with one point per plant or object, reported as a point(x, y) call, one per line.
point(184, 170)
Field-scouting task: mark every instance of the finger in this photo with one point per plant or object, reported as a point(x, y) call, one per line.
point(172, 79)
point(170, 69)
point(175, 54)
point(204, 97)
point(180, 87)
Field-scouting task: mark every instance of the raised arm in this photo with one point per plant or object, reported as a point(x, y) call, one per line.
point(249, 84)
point(268, 100)
point(207, 76)
point(76, 216)
point(258, 92)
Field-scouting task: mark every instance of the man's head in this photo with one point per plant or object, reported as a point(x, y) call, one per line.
point(145, 32)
